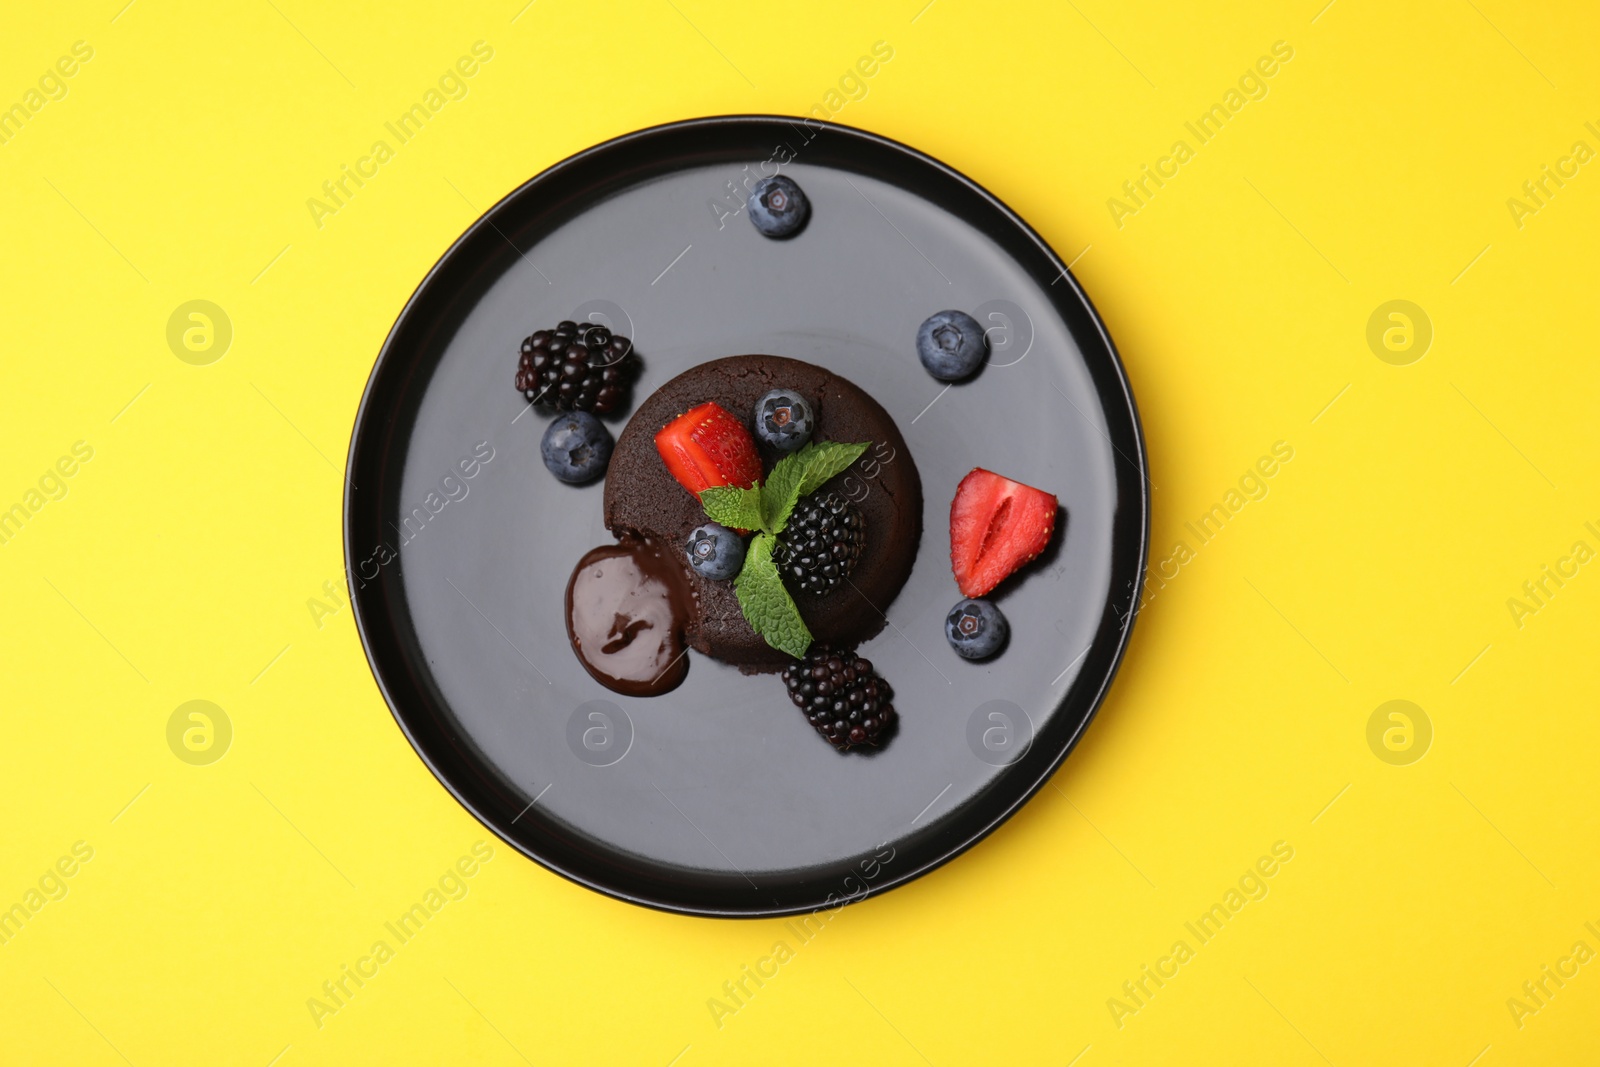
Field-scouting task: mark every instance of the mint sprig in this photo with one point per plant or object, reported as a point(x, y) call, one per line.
point(802, 474)
point(766, 603)
point(733, 507)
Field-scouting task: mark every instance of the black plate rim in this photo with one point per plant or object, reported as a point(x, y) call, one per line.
point(1132, 491)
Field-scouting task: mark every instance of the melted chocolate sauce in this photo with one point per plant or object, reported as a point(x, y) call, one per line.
point(627, 606)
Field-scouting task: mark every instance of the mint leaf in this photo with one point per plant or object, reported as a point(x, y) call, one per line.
point(801, 474)
point(782, 490)
point(734, 507)
point(766, 604)
point(825, 460)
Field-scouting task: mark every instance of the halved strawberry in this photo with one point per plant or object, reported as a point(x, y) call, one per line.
point(996, 525)
point(707, 446)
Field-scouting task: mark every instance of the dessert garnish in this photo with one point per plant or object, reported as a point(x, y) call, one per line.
point(766, 509)
point(706, 446)
point(820, 545)
point(842, 696)
point(576, 447)
point(777, 207)
point(714, 551)
point(951, 345)
point(784, 419)
point(577, 368)
point(976, 629)
point(996, 525)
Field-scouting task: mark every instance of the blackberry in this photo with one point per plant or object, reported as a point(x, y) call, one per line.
point(577, 368)
point(842, 697)
point(821, 543)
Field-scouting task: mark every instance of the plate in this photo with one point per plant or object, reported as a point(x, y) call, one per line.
point(718, 798)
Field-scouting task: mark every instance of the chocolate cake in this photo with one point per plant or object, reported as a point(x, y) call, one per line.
point(642, 500)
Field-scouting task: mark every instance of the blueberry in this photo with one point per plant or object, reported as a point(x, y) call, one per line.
point(576, 447)
point(715, 552)
point(778, 207)
point(951, 345)
point(784, 420)
point(976, 629)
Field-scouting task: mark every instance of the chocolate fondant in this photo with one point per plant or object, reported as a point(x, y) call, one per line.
point(643, 500)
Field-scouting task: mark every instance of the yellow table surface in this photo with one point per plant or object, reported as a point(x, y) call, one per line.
point(1431, 540)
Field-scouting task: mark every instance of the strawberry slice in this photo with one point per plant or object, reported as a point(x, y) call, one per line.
point(707, 446)
point(996, 525)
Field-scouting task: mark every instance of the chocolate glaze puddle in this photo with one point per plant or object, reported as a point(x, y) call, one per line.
point(627, 607)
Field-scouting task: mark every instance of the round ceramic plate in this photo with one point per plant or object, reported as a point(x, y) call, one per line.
point(718, 798)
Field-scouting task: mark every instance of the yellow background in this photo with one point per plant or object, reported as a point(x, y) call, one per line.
point(180, 562)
